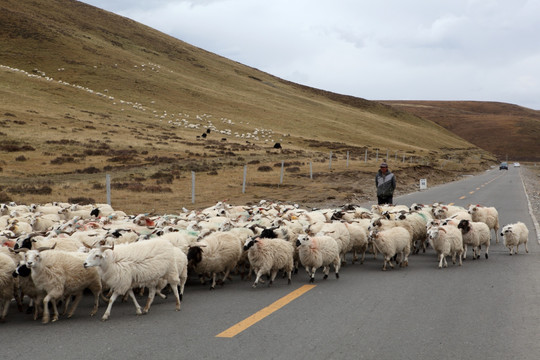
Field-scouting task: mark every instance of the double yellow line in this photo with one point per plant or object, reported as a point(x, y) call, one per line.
point(261, 314)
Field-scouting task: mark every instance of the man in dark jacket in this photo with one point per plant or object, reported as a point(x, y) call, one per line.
point(385, 181)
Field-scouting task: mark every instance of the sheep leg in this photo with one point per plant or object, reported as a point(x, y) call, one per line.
point(337, 266)
point(441, 260)
point(150, 299)
point(96, 302)
point(183, 280)
point(5, 310)
point(112, 298)
point(259, 274)
point(135, 302)
point(311, 274)
point(326, 271)
point(272, 277)
point(289, 275)
point(174, 288)
point(526, 248)
point(46, 314)
point(76, 301)
point(213, 286)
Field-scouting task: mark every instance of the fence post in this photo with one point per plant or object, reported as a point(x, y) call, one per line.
point(377, 156)
point(244, 181)
point(281, 174)
point(108, 187)
point(193, 187)
point(365, 156)
point(330, 162)
point(347, 159)
point(311, 170)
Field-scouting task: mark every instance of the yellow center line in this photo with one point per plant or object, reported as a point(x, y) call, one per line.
point(261, 314)
point(463, 197)
point(471, 192)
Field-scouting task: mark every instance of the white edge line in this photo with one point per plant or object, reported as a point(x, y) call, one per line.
point(535, 222)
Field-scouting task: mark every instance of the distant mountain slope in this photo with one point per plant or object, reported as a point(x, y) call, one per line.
point(80, 44)
point(508, 131)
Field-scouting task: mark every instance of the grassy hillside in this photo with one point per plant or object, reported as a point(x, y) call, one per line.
point(85, 93)
point(508, 131)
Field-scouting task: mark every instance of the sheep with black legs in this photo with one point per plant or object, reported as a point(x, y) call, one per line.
point(446, 241)
point(318, 251)
point(514, 235)
point(141, 264)
point(391, 242)
point(268, 256)
point(476, 235)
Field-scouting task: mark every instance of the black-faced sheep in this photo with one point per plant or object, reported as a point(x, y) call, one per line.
point(475, 234)
point(268, 256)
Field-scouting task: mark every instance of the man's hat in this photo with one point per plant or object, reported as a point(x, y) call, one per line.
point(384, 165)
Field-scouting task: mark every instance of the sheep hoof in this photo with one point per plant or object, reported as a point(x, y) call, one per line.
point(486, 256)
point(325, 276)
point(254, 285)
point(311, 280)
point(337, 275)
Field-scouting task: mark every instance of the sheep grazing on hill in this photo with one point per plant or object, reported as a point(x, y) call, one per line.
point(474, 234)
point(515, 235)
point(268, 256)
point(487, 215)
point(391, 242)
point(141, 264)
point(318, 251)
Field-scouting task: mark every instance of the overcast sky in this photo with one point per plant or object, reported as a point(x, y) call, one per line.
point(486, 50)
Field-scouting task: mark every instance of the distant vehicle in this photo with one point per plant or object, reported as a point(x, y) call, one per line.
point(516, 164)
point(504, 165)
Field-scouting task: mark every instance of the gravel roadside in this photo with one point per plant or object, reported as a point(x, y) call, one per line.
point(531, 179)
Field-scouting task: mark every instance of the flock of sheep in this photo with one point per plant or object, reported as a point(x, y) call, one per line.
point(51, 253)
point(179, 119)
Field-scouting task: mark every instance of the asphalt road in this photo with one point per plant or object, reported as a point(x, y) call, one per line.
point(485, 309)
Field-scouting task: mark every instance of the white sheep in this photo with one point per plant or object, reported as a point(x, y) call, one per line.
point(61, 274)
point(318, 251)
point(359, 238)
point(339, 232)
point(515, 235)
point(475, 234)
point(487, 215)
point(7, 284)
point(391, 242)
point(446, 240)
point(268, 256)
point(141, 264)
point(217, 253)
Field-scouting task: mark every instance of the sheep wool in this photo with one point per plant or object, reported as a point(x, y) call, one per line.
point(318, 251)
point(268, 256)
point(515, 235)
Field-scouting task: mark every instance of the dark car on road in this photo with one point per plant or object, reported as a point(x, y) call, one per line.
point(504, 166)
